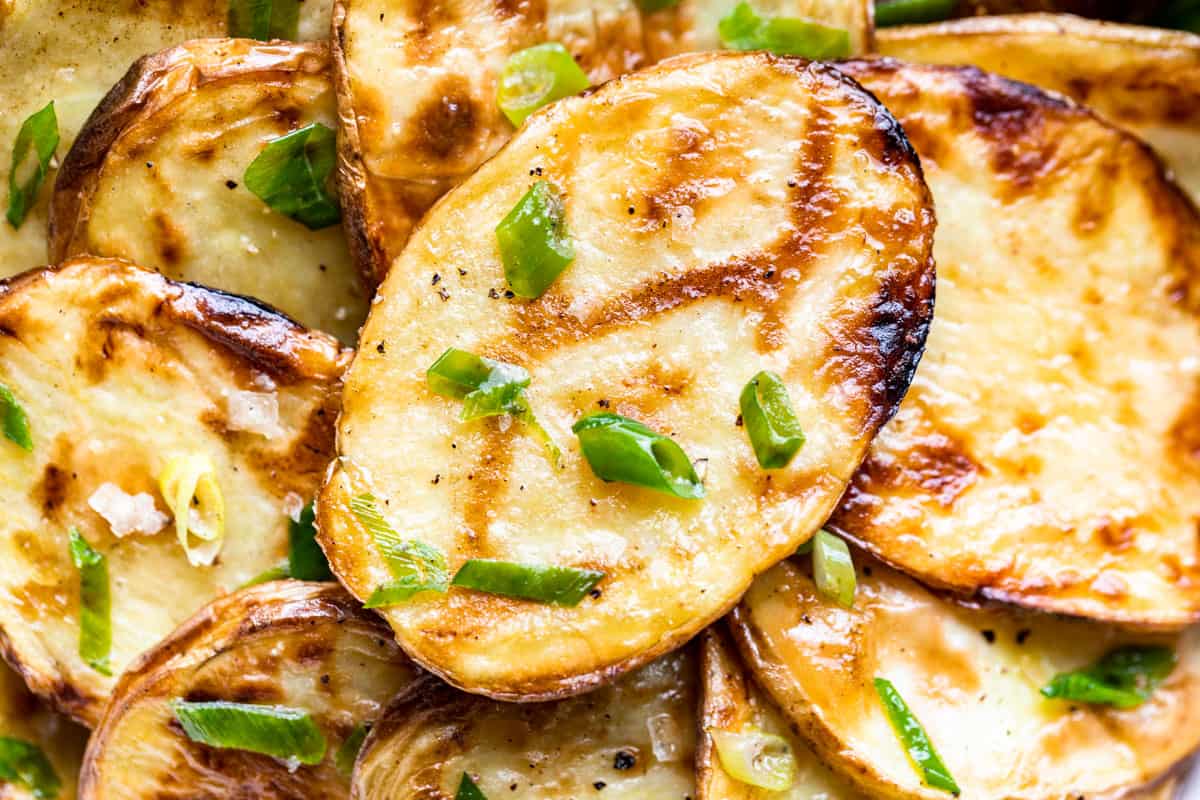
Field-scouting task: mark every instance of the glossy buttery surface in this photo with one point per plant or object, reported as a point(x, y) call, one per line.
point(119, 371)
point(302, 645)
point(634, 739)
point(24, 717)
point(730, 213)
point(1048, 452)
point(156, 177)
point(972, 678)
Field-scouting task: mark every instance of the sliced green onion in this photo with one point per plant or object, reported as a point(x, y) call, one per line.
point(1180, 14)
point(291, 175)
point(347, 754)
point(561, 586)
point(536, 76)
point(276, 573)
point(264, 19)
point(743, 29)
point(650, 6)
point(24, 763)
point(535, 246)
point(16, 423)
point(416, 566)
point(279, 731)
point(1124, 678)
point(625, 450)
point(467, 790)
point(914, 739)
point(833, 569)
point(911, 12)
point(756, 758)
point(32, 152)
point(188, 484)
point(769, 421)
point(306, 560)
point(95, 604)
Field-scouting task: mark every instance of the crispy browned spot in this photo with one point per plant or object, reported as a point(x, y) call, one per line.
point(169, 239)
point(1183, 443)
point(445, 126)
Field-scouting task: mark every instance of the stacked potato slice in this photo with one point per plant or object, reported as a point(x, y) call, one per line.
point(656, 469)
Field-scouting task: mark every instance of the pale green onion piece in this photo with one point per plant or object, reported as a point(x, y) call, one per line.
point(770, 421)
point(32, 153)
point(536, 76)
point(535, 246)
point(16, 423)
point(650, 6)
point(914, 739)
point(278, 572)
point(264, 19)
point(562, 586)
point(95, 604)
point(284, 733)
point(1125, 678)
point(292, 173)
point(744, 29)
point(467, 790)
point(621, 449)
point(347, 754)
point(911, 12)
point(416, 566)
point(756, 758)
point(833, 569)
point(188, 484)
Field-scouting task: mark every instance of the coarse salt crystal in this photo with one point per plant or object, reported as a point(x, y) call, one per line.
point(293, 504)
point(127, 513)
point(254, 412)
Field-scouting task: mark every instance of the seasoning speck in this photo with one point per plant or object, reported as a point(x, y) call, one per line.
point(624, 760)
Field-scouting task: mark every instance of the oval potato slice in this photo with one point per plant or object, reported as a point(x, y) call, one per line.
point(971, 676)
point(120, 370)
point(1048, 453)
point(23, 716)
point(301, 645)
point(155, 176)
point(668, 309)
point(1144, 79)
point(634, 739)
point(732, 702)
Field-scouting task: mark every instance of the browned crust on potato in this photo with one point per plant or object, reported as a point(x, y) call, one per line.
point(150, 85)
point(718, 666)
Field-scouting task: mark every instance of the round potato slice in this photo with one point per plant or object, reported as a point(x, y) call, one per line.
point(732, 702)
point(120, 374)
point(1143, 79)
point(730, 213)
point(305, 646)
point(633, 739)
point(24, 717)
point(971, 677)
point(1048, 452)
point(156, 176)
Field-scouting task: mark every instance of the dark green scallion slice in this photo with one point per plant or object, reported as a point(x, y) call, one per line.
point(535, 246)
point(625, 450)
point(769, 421)
point(561, 586)
point(32, 152)
point(279, 731)
point(744, 29)
point(24, 763)
point(912, 735)
point(467, 790)
point(95, 604)
point(536, 76)
point(347, 754)
point(16, 423)
point(911, 12)
point(833, 569)
point(306, 560)
point(650, 6)
point(1124, 678)
point(416, 566)
point(1182, 15)
point(264, 19)
point(291, 175)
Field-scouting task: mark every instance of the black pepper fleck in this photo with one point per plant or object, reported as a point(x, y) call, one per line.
point(989, 635)
point(624, 760)
point(231, 184)
point(436, 279)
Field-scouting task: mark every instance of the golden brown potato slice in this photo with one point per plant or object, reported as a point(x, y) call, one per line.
point(306, 646)
point(633, 739)
point(971, 676)
point(729, 213)
point(24, 717)
point(733, 702)
point(1048, 453)
point(155, 176)
point(120, 373)
point(1143, 79)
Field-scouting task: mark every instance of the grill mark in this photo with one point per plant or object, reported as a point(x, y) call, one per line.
point(484, 484)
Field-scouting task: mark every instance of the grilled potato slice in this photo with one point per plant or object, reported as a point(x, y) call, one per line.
point(665, 313)
point(633, 739)
point(120, 372)
point(24, 717)
point(155, 176)
point(1048, 453)
point(1143, 79)
point(971, 676)
point(732, 702)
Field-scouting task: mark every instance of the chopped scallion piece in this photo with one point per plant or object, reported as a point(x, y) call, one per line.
point(16, 423)
point(914, 739)
point(743, 29)
point(95, 604)
point(650, 6)
point(416, 566)
point(467, 790)
point(276, 573)
point(911, 12)
point(32, 152)
point(189, 487)
point(833, 569)
point(279, 731)
point(347, 754)
point(306, 560)
point(1124, 678)
point(536, 76)
point(24, 763)
point(1183, 15)
point(562, 586)
point(535, 246)
point(756, 758)
point(625, 450)
point(769, 421)
point(264, 19)
point(291, 175)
